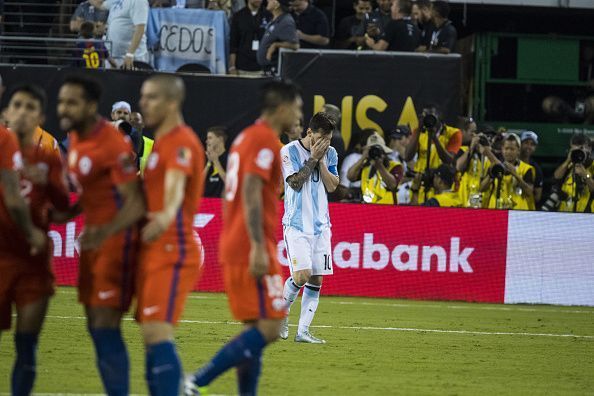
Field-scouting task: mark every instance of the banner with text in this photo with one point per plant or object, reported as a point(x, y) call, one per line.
point(182, 36)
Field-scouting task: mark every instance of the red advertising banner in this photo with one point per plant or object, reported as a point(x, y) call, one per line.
point(378, 251)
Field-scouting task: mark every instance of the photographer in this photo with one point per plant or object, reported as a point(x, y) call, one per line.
point(379, 174)
point(510, 184)
point(443, 181)
point(435, 143)
point(471, 164)
point(573, 184)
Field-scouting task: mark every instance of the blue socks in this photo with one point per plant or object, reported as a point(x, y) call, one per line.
point(248, 374)
point(112, 360)
point(163, 369)
point(23, 373)
point(244, 350)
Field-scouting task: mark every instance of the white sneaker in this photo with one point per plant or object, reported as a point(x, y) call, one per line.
point(308, 338)
point(284, 330)
point(191, 389)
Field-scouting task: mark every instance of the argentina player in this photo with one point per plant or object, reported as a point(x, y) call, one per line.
point(309, 171)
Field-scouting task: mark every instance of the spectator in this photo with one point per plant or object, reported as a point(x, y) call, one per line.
point(434, 143)
point(379, 19)
point(294, 133)
point(126, 29)
point(443, 34)
point(337, 141)
point(421, 15)
point(313, 29)
point(87, 12)
point(92, 53)
point(143, 146)
point(398, 139)
point(217, 162)
point(378, 173)
point(510, 184)
point(443, 182)
point(401, 34)
point(120, 111)
point(348, 190)
point(572, 180)
point(351, 30)
point(281, 32)
point(529, 145)
point(219, 5)
point(247, 28)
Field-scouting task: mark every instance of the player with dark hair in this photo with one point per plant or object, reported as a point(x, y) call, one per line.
point(101, 165)
point(169, 261)
point(27, 279)
point(251, 271)
point(309, 173)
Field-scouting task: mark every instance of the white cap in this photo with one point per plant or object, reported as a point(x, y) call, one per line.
point(121, 105)
point(529, 135)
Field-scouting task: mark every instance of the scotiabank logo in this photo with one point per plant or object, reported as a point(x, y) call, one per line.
point(370, 254)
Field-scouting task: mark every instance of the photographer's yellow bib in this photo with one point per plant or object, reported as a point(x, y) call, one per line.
point(583, 194)
point(512, 196)
point(448, 199)
point(373, 187)
point(470, 182)
point(434, 162)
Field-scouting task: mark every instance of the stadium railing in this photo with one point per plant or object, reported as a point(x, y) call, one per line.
point(17, 50)
point(38, 18)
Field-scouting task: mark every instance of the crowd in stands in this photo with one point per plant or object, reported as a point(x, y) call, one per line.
point(259, 29)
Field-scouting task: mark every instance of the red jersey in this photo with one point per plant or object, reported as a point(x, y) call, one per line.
point(97, 165)
point(43, 185)
point(180, 149)
point(255, 151)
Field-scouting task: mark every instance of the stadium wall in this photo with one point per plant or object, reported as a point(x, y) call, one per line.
point(421, 253)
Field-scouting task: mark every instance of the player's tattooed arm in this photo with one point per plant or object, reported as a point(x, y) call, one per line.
point(297, 180)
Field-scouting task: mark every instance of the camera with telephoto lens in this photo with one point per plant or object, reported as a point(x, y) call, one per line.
point(427, 179)
point(124, 126)
point(376, 152)
point(578, 156)
point(430, 120)
point(497, 171)
point(554, 200)
point(484, 140)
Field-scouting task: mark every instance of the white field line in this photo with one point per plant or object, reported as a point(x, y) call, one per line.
point(400, 329)
point(469, 306)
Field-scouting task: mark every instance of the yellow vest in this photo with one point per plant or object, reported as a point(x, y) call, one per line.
point(448, 199)
point(470, 182)
point(435, 161)
point(512, 196)
point(146, 151)
point(374, 189)
point(569, 187)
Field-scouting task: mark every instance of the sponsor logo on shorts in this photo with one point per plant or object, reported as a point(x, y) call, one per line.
point(148, 311)
point(105, 294)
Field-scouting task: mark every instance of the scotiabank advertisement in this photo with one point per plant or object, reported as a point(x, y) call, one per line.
point(420, 253)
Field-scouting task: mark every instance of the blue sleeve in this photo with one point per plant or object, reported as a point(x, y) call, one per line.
point(332, 161)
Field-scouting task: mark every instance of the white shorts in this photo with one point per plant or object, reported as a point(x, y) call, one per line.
point(309, 252)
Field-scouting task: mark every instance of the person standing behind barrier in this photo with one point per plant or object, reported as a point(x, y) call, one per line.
point(351, 30)
point(247, 28)
point(443, 38)
point(313, 28)
point(529, 145)
point(216, 154)
point(281, 32)
point(126, 29)
point(86, 12)
point(401, 34)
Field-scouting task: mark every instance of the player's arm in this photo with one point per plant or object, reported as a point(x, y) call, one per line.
point(318, 150)
point(328, 171)
point(132, 210)
point(159, 222)
point(19, 211)
point(253, 209)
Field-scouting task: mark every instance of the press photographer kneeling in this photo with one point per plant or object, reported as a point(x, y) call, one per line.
point(435, 143)
point(572, 181)
point(443, 179)
point(510, 184)
point(379, 174)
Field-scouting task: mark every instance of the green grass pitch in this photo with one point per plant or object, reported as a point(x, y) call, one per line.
point(375, 347)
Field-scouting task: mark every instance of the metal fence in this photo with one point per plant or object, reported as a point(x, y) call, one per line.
point(16, 50)
point(37, 18)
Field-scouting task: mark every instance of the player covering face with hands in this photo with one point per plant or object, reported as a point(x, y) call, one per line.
point(310, 172)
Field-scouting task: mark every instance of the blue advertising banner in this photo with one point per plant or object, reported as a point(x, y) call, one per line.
point(182, 36)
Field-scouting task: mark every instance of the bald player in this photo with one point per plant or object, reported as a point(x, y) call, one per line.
point(169, 262)
point(101, 166)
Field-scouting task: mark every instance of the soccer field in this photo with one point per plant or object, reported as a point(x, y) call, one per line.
point(375, 347)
